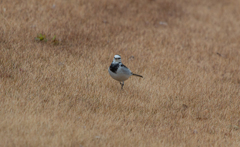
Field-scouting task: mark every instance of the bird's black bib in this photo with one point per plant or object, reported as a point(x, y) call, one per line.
point(114, 67)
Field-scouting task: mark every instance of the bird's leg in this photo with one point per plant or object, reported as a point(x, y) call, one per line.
point(121, 83)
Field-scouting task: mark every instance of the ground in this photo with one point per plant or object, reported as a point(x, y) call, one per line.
point(55, 89)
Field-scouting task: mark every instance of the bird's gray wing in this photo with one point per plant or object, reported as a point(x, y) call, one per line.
point(125, 70)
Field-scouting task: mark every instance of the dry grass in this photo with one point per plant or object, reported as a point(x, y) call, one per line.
point(62, 95)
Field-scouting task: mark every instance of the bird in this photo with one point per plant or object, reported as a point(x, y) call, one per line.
point(119, 71)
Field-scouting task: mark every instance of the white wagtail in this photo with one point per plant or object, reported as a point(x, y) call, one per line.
point(120, 72)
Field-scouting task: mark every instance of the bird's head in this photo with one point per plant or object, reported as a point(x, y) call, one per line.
point(117, 59)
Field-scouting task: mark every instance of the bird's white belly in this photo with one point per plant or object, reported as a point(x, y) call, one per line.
point(119, 76)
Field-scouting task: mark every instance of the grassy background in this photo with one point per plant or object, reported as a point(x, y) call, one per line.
point(62, 95)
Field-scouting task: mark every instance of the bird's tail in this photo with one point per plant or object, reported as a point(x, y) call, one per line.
point(137, 75)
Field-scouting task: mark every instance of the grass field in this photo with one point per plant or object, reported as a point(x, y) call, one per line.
point(57, 92)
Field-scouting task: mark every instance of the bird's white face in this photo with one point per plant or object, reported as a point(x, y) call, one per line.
point(117, 59)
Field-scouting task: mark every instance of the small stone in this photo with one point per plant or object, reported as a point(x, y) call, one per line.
point(163, 23)
point(195, 131)
point(235, 127)
point(131, 58)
